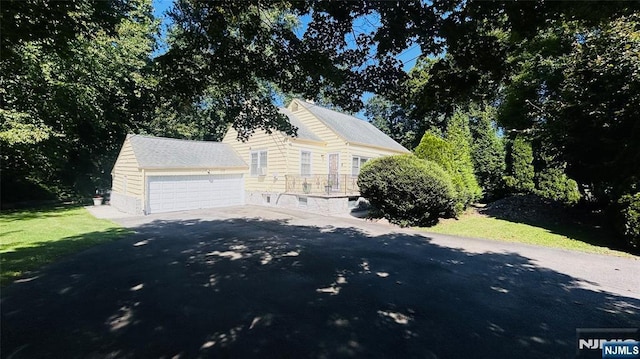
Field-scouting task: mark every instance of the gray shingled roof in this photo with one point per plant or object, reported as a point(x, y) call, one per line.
point(303, 131)
point(160, 152)
point(352, 129)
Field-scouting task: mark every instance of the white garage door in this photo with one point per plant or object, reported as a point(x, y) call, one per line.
point(178, 193)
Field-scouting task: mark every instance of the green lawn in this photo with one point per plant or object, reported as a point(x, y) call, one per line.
point(565, 236)
point(30, 239)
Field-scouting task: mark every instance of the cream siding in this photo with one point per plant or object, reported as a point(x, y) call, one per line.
point(284, 153)
point(278, 164)
point(334, 143)
point(317, 158)
point(365, 151)
point(127, 165)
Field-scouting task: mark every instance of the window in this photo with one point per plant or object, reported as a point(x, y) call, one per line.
point(258, 163)
point(305, 163)
point(356, 164)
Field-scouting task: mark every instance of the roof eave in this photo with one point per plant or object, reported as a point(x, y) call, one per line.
point(306, 140)
point(378, 147)
point(164, 168)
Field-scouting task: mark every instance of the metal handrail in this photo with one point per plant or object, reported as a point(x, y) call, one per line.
point(322, 184)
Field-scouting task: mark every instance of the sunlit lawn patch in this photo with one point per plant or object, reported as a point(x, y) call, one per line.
point(564, 235)
point(32, 238)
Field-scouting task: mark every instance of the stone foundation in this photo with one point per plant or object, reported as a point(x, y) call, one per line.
point(127, 204)
point(331, 204)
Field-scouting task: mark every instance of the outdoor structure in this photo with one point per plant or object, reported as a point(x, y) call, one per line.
point(316, 170)
point(155, 174)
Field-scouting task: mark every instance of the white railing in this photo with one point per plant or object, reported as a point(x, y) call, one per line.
point(322, 184)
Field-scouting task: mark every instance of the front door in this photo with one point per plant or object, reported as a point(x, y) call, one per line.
point(334, 167)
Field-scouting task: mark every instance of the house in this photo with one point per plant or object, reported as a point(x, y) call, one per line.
point(316, 170)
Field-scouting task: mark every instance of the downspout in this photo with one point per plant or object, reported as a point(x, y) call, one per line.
point(145, 199)
point(349, 155)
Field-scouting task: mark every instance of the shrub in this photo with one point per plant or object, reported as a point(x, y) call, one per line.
point(629, 219)
point(520, 167)
point(407, 190)
point(554, 184)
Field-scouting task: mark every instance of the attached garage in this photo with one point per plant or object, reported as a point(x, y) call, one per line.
point(155, 174)
point(178, 193)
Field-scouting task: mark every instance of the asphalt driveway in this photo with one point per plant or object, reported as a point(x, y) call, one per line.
point(250, 282)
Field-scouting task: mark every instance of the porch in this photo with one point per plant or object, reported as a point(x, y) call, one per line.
point(325, 185)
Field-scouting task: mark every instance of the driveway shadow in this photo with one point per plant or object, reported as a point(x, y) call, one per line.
point(262, 288)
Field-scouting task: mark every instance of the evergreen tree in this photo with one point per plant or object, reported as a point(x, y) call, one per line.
point(488, 153)
point(552, 183)
point(434, 148)
point(453, 154)
point(520, 166)
point(459, 138)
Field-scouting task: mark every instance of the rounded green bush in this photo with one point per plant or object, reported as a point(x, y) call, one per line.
point(407, 190)
point(554, 184)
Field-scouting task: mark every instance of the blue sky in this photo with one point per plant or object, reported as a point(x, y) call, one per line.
point(408, 57)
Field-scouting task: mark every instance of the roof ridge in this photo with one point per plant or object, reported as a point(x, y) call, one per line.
point(174, 139)
point(309, 104)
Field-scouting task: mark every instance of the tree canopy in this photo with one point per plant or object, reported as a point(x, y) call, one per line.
point(77, 76)
point(69, 96)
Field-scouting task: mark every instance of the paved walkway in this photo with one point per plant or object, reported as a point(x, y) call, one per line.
point(107, 212)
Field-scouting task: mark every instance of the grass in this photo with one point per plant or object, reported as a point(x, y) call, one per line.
point(571, 236)
point(30, 239)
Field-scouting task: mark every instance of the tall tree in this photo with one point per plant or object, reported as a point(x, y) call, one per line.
point(458, 136)
point(238, 46)
point(595, 118)
point(453, 153)
point(65, 111)
point(488, 152)
point(393, 120)
point(520, 170)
